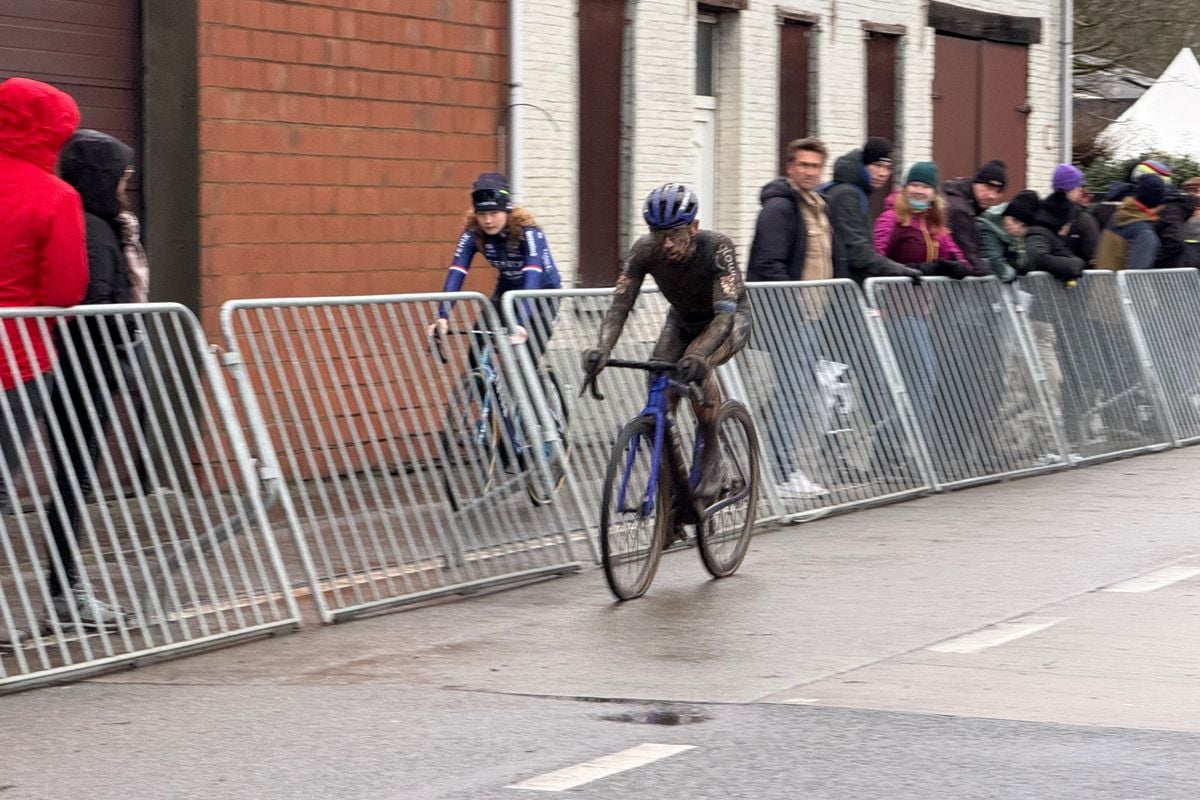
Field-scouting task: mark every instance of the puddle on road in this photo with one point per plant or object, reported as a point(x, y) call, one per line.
point(657, 717)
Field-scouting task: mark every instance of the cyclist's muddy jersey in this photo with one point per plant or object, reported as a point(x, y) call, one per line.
point(527, 265)
point(706, 292)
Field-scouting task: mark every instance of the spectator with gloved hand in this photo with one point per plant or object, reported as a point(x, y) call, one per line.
point(1046, 248)
point(856, 175)
point(913, 228)
point(1002, 234)
point(968, 198)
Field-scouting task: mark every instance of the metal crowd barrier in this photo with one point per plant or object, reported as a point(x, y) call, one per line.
point(131, 522)
point(976, 396)
point(409, 474)
point(1106, 400)
point(835, 432)
point(1163, 311)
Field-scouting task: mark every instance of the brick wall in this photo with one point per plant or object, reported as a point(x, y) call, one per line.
point(338, 141)
point(659, 118)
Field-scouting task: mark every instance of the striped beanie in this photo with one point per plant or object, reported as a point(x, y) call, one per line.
point(1152, 167)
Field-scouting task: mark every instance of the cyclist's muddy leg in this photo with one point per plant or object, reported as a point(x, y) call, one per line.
point(710, 454)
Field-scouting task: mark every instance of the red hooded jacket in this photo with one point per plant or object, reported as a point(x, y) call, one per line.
point(43, 251)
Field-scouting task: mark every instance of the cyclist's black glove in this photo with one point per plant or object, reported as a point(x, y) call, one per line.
point(593, 360)
point(909, 272)
point(691, 369)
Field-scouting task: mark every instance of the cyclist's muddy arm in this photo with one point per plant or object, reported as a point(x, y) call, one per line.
point(629, 284)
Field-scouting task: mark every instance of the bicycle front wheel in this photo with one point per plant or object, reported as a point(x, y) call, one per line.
point(632, 521)
point(724, 533)
point(556, 461)
point(470, 440)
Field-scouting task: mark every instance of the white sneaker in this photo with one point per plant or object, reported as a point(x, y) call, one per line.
point(92, 612)
point(799, 487)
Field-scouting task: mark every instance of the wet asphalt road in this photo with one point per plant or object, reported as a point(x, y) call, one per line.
point(983, 644)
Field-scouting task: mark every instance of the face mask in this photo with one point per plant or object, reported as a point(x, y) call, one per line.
point(918, 205)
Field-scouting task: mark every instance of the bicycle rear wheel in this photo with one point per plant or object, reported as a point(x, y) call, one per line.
point(470, 440)
point(724, 533)
point(556, 462)
point(632, 523)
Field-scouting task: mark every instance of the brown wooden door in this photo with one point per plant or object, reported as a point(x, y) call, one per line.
point(980, 108)
point(1003, 119)
point(88, 49)
point(882, 94)
point(601, 46)
point(956, 106)
point(794, 83)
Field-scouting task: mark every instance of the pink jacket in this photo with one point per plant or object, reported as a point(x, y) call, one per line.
point(912, 244)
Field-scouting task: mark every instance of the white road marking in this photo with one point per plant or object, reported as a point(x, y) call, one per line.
point(799, 701)
point(570, 777)
point(994, 635)
point(1155, 580)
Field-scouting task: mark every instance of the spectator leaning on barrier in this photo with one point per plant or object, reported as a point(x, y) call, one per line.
point(912, 231)
point(1173, 216)
point(1129, 241)
point(99, 167)
point(42, 256)
point(968, 198)
point(793, 237)
point(1191, 230)
point(1115, 195)
point(913, 228)
point(1083, 235)
point(855, 176)
point(1047, 248)
point(1002, 234)
point(793, 241)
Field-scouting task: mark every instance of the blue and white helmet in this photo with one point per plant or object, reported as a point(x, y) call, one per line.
point(670, 206)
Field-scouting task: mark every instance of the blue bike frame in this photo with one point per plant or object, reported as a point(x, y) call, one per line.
point(656, 407)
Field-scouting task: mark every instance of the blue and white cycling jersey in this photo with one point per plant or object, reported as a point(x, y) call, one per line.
point(528, 267)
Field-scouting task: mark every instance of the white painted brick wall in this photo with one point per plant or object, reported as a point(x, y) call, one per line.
point(548, 127)
point(659, 119)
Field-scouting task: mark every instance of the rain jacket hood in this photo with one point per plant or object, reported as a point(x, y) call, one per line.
point(35, 120)
point(94, 163)
point(849, 169)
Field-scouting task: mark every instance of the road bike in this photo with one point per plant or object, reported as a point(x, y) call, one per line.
point(484, 428)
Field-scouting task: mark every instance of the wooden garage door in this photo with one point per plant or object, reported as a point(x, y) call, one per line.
point(87, 48)
point(980, 107)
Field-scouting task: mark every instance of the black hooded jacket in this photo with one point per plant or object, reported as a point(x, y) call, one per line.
point(93, 163)
point(1171, 228)
point(849, 212)
point(1045, 250)
point(963, 211)
point(780, 244)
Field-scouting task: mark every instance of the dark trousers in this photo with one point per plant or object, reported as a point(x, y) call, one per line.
point(80, 388)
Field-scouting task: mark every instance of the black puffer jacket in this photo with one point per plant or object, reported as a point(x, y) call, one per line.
point(780, 244)
point(93, 163)
point(849, 212)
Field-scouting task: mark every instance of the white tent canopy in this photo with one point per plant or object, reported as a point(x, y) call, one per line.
point(1166, 117)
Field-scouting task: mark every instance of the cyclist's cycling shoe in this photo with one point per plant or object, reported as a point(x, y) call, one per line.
point(712, 479)
point(685, 513)
point(678, 537)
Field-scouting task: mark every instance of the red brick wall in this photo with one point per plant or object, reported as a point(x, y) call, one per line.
point(338, 141)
